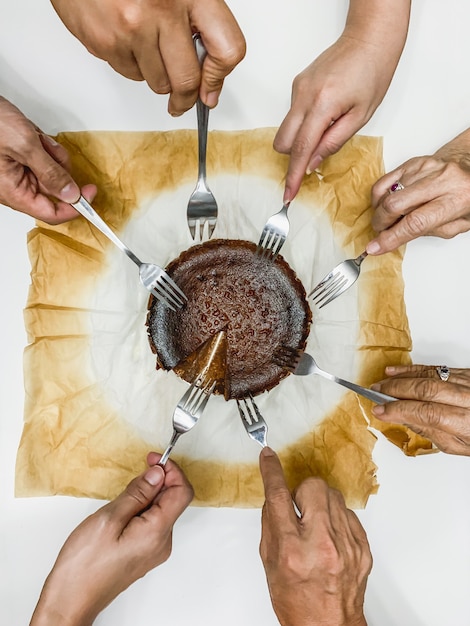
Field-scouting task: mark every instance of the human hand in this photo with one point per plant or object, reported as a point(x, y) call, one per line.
point(338, 93)
point(316, 565)
point(151, 40)
point(435, 199)
point(437, 410)
point(114, 547)
point(34, 170)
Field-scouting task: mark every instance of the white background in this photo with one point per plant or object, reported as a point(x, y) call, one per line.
point(418, 524)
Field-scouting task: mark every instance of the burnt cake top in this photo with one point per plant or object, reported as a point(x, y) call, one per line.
point(256, 304)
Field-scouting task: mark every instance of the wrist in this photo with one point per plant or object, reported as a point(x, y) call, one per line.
point(457, 150)
point(57, 611)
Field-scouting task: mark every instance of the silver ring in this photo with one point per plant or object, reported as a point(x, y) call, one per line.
point(396, 187)
point(443, 372)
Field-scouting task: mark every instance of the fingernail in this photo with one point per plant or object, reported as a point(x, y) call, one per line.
point(155, 475)
point(212, 99)
point(50, 141)
point(267, 451)
point(372, 247)
point(378, 410)
point(390, 369)
point(314, 163)
point(376, 387)
point(70, 193)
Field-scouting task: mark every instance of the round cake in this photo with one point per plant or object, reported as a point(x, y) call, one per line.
point(240, 308)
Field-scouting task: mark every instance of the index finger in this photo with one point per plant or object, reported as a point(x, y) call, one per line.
point(278, 506)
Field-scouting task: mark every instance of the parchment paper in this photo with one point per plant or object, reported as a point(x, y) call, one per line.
point(95, 404)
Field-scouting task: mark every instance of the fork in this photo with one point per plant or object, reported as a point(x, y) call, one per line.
point(202, 206)
point(188, 411)
point(301, 364)
point(274, 234)
point(252, 420)
point(337, 281)
point(156, 280)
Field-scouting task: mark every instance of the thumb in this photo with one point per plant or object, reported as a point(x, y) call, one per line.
point(138, 495)
point(52, 177)
point(212, 80)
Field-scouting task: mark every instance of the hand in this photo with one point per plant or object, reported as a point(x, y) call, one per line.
point(317, 565)
point(429, 406)
point(435, 199)
point(33, 167)
point(151, 40)
point(114, 547)
point(338, 93)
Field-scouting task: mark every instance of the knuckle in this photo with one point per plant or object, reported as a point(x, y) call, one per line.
point(428, 388)
point(278, 496)
point(54, 177)
point(137, 491)
point(429, 414)
point(301, 146)
point(416, 223)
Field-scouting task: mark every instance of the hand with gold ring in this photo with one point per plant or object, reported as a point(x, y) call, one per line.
point(433, 401)
point(433, 198)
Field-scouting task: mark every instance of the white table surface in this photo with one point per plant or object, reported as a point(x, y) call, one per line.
point(418, 524)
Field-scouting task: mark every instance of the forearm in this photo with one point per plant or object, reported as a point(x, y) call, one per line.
point(380, 23)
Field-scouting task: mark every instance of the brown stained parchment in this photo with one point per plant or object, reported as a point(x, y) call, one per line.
point(74, 442)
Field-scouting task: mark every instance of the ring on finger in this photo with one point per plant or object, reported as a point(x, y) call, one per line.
point(443, 372)
point(397, 186)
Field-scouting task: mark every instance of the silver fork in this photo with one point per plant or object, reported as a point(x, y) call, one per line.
point(152, 277)
point(274, 234)
point(202, 206)
point(188, 411)
point(253, 421)
point(337, 281)
point(301, 364)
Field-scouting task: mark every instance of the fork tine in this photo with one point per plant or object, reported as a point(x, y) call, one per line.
point(192, 228)
point(168, 291)
point(336, 289)
point(323, 284)
point(280, 242)
point(287, 357)
point(212, 225)
point(166, 297)
point(198, 396)
point(171, 283)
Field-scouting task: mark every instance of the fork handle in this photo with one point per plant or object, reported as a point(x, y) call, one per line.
point(370, 394)
point(85, 209)
point(202, 111)
point(169, 448)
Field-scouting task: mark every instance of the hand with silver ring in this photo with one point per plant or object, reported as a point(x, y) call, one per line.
point(439, 412)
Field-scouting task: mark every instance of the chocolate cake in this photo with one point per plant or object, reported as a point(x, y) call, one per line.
point(240, 308)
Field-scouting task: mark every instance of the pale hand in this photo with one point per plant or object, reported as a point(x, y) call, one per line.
point(114, 547)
